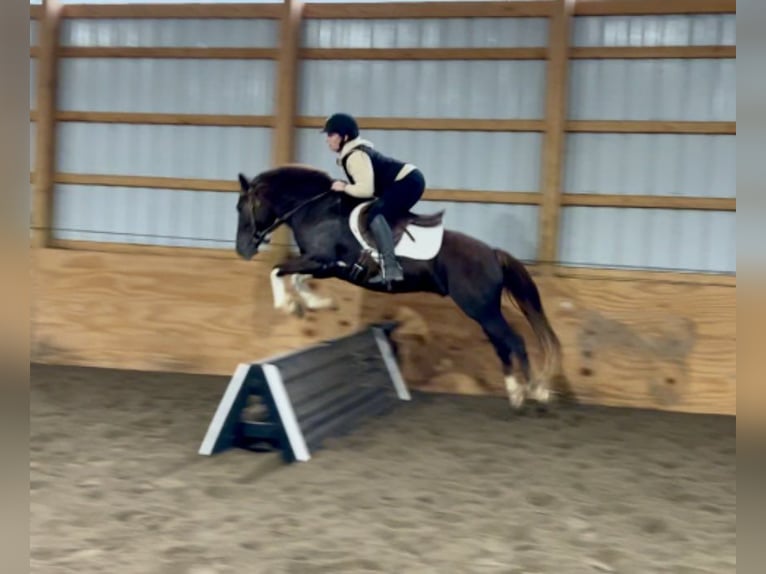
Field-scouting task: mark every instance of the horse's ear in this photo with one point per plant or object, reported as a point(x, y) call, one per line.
point(244, 184)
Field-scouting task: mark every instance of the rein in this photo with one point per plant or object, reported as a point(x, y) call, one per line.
point(260, 236)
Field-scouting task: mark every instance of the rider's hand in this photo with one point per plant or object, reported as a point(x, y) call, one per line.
point(338, 185)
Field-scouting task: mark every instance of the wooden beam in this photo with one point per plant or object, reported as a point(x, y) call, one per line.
point(414, 10)
point(165, 119)
point(285, 106)
point(173, 11)
point(651, 52)
point(423, 53)
point(633, 275)
point(475, 196)
point(555, 123)
point(183, 184)
point(142, 248)
point(650, 201)
point(653, 7)
point(651, 127)
point(195, 53)
point(434, 124)
point(45, 145)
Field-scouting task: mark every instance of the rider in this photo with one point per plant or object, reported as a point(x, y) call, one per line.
point(396, 185)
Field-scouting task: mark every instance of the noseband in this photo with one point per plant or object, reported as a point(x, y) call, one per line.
point(260, 236)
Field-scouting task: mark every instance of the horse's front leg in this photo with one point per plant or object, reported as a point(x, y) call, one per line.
point(299, 268)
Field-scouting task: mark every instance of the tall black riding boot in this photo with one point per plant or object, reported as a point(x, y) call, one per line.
point(389, 266)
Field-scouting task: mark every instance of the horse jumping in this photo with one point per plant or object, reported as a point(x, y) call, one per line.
point(330, 231)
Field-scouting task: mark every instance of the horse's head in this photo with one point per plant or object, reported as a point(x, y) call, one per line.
point(274, 197)
point(256, 215)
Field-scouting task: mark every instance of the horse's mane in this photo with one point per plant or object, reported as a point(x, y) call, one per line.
point(295, 179)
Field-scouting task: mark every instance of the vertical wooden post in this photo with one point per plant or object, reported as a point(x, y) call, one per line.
point(285, 103)
point(555, 133)
point(45, 148)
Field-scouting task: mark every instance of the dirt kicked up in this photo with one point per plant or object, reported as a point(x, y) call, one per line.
point(443, 485)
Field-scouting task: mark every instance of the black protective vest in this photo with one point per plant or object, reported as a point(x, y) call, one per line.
point(385, 169)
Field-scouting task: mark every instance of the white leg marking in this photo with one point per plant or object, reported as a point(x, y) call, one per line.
point(283, 300)
point(311, 299)
point(539, 392)
point(515, 391)
point(278, 289)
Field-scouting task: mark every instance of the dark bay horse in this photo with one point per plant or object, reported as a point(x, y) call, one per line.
point(330, 231)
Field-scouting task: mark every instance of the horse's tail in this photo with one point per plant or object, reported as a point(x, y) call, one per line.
point(518, 281)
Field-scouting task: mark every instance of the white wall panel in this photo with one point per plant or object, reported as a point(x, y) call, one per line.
point(425, 33)
point(34, 30)
point(153, 216)
point(489, 161)
point(33, 83)
point(456, 89)
point(167, 86)
point(701, 89)
point(651, 164)
point(649, 238)
point(675, 30)
point(32, 145)
point(509, 227)
point(253, 33)
point(207, 152)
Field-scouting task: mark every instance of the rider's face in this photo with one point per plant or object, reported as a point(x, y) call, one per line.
point(334, 142)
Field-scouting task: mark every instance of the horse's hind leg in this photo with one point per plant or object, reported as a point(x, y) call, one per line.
point(507, 345)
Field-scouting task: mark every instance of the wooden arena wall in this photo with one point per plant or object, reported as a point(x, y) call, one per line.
point(635, 258)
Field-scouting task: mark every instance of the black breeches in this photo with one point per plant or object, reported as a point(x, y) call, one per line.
point(400, 196)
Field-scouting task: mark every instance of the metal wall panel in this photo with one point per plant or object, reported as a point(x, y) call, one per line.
point(32, 83)
point(651, 164)
point(252, 33)
point(700, 89)
point(153, 216)
point(674, 30)
point(167, 86)
point(425, 33)
point(489, 161)
point(649, 238)
point(34, 30)
point(455, 89)
point(509, 227)
point(207, 152)
point(32, 145)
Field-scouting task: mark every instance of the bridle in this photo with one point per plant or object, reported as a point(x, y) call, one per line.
point(260, 236)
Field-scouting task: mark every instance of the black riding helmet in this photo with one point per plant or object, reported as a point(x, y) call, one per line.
point(341, 124)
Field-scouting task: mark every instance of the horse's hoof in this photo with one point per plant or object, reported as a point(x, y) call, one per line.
point(539, 393)
point(515, 393)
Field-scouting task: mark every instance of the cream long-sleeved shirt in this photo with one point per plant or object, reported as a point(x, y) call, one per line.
point(360, 169)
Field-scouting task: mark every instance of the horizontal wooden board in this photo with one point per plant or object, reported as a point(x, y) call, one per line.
point(509, 197)
point(165, 119)
point(423, 53)
point(650, 201)
point(625, 343)
point(147, 181)
point(173, 11)
point(517, 197)
point(651, 52)
point(652, 127)
point(189, 53)
point(638, 343)
point(436, 124)
point(653, 7)
point(412, 10)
